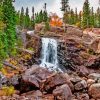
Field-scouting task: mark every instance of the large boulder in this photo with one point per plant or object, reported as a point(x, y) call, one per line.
point(95, 46)
point(63, 93)
point(94, 76)
point(94, 91)
point(93, 62)
point(81, 85)
point(43, 79)
point(72, 30)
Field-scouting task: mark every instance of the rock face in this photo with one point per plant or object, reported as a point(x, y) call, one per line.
point(69, 55)
point(94, 90)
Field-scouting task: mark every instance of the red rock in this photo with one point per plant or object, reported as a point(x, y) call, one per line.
point(62, 93)
point(94, 90)
point(81, 85)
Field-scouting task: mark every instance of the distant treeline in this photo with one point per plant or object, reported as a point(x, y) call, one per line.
point(84, 19)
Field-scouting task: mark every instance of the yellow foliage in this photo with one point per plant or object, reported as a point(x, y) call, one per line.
point(4, 72)
point(2, 25)
point(78, 24)
point(7, 91)
point(27, 56)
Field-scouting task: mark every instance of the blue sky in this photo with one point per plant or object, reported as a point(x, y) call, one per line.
point(52, 5)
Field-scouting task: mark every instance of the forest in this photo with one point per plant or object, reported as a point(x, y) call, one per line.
point(44, 56)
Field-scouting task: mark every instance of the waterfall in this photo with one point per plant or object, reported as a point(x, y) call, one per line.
point(49, 54)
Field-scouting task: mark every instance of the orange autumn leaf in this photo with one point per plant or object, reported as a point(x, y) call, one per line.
point(55, 21)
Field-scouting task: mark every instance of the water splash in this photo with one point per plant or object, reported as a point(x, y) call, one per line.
point(49, 54)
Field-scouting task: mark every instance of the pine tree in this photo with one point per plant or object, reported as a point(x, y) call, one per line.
point(9, 19)
point(76, 15)
point(27, 18)
point(33, 13)
point(65, 8)
point(80, 18)
point(2, 35)
point(92, 16)
point(98, 17)
point(86, 15)
point(72, 20)
point(45, 16)
point(65, 5)
point(22, 18)
point(33, 18)
point(18, 18)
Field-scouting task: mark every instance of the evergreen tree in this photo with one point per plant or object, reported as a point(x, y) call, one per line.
point(92, 16)
point(33, 18)
point(18, 18)
point(45, 16)
point(98, 17)
point(27, 18)
point(33, 13)
point(22, 18)
point(9, 19)
point(72, 20)
point(80, 18)
point(2, 35)
point(86, 15)
point(65, 6)
point(76, 16)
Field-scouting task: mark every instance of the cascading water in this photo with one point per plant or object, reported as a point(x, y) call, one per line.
point(49, 54)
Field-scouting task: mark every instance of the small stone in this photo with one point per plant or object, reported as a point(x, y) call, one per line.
point(84, 97)
point(75, 80)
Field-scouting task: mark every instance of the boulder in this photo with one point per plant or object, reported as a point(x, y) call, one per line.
point(94, 76)
point(90, 82)
point(34, 42)
point(81, 85)
point(83, 97)
point(56, 80)
point(35, 75)
point(44, 79)
point(94, 91)
point(72, 30)
point(62, 93)
point(75, 79)
point(93, 62)
point(95, 46)
point(33, 95)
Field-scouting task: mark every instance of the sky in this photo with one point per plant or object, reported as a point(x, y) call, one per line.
point(52, 5)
